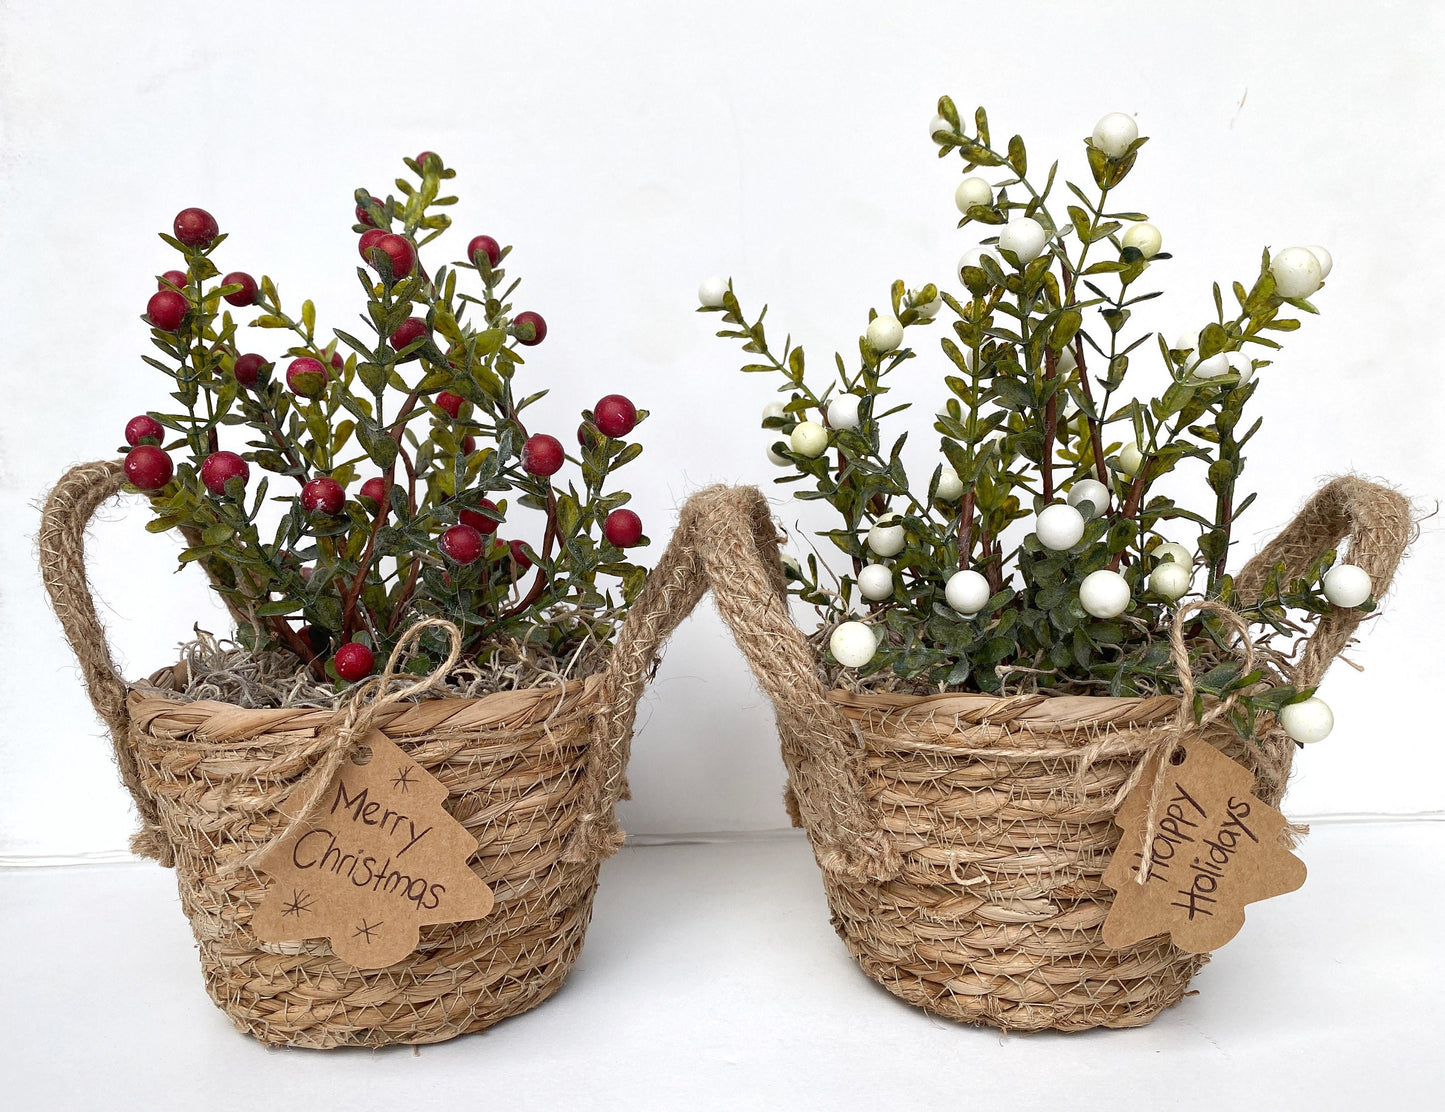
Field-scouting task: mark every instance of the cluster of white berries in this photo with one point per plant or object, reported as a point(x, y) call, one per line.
point(1300, 271)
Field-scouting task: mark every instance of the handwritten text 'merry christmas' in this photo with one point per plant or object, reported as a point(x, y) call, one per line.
point(330, 851)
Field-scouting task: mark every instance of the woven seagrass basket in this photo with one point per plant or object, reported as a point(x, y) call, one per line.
point(963, 838)
point(533, 773)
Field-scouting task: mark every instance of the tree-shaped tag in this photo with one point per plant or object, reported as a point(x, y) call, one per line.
point(1216, 847)
point(375, 859)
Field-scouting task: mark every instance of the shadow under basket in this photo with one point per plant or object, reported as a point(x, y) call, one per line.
point(963, 838)
point(534, 774)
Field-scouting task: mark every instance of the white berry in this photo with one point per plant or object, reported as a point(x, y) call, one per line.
point(712, 291)
point(1092, 492)
point(1025, 237)
point(1059, 527)
point(884, 334)
point(843, 411)
point(853, 644)
point(939, 124)
point(775, 457)
point(1114, 133)
point(927, 310)
point(1104, 593)
point(1347, 586)
point(791, 563)
point(1311, 720)
point(975, 256)
point(1187, 342)
point(875, 582)
point(774, 410)
point(1144, 238)
point(1242, 365)
point(967, 592)
point(970, 192)
point(1323, 257)
point(1169, 579)
point(1297, 273)
point(1216, 365)
point(1130, 459)
point(1067, 364)
point(886, 537)
point(809, 439)
point(950, 486)
point(1174, 552)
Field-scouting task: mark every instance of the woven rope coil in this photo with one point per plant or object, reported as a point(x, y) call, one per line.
point(534, 774)
point(963, 838)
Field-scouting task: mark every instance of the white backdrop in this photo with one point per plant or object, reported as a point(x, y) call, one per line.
point(627, 151)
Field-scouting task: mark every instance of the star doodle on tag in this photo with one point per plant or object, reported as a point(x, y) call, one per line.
point(375, 859)
point(1216, 848)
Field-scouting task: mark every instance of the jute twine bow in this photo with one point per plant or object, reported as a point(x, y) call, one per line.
point(1185, 723)
point(352, 721)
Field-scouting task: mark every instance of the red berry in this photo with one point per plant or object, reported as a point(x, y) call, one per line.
point(220, 467)
point(483, 524)
point(615, 416)
point(317, 638)
point(623, 528)
point(246, 295)
point(492, 248)
point(354, 661)
point(538, 327)
point(421, 158)
point(323, 495)
point(462, 544)
point(144, 428)
point(542, 455)
point(148, 468)
point(397, 248)
point(167, 310)
point(307, 377)
point(196, 227)
point(374, 491)
point(337, 361)
point(519, 556)
point(248, 368)
point(452, 403)
point(364, 217)
point(408, 332)
point(176, 278)
point(469, 445)
point(368, 241)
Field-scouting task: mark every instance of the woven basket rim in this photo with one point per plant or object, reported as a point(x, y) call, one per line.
point(154, 712)
point(1037, 710)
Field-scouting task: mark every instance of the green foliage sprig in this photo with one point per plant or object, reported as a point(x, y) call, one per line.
point(318, 580)
point(1037, 354)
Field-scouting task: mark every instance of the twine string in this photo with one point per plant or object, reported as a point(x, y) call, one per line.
point(350, 724)
point(1184, 722)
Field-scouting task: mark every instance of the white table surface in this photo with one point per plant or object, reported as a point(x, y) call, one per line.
point(711, 979)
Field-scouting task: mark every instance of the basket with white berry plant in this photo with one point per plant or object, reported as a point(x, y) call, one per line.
point(355, 499)
point(989, 617)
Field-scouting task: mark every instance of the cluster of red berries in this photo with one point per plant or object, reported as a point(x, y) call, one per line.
point(149, 467)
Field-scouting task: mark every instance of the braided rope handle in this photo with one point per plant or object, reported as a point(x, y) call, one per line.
point(671, 591)
point(739, 544)
point(1379, 524)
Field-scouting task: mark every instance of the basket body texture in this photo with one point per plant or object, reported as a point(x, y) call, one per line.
point(1002, 812)
point(514, 766)
point(963, 838)
point(534, 774)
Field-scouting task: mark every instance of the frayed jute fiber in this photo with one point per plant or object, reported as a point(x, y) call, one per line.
point(963, 838)
point(534, 774)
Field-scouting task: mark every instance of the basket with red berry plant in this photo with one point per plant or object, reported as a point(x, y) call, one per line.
point(1014, 635)
point(354, 499)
